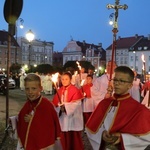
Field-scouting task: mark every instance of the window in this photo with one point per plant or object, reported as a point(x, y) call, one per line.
point(139, 48)
point(136, 58)
point(131, 58)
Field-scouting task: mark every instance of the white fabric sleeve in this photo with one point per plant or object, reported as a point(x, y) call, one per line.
point(95, 139)
point(131, 142)
point(71, 107)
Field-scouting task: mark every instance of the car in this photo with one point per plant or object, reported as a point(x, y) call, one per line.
point(11, 84)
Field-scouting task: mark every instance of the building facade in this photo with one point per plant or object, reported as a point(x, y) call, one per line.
point(37, 52)
point(129, 51)
point(80, 51)
point(57, 59)
point(14, 52)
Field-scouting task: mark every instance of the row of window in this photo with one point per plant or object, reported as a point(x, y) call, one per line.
point(37, 49)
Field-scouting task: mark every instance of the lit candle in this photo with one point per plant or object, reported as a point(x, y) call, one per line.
point(79, 70)
point(78, 65)
point(144, 67)
point(54, 78)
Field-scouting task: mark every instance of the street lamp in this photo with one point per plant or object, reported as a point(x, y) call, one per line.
point(29, 37)
point(19, 23)
point(45, 59)
point(111, 17)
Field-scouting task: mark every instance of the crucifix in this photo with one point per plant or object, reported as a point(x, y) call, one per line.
point(116, 7)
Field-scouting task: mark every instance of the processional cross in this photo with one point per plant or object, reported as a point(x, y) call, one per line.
point(116, 7)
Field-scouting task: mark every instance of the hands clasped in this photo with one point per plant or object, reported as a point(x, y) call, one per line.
point(27, 117)
point(112, 139)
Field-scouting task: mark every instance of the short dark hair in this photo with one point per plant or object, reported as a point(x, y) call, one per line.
point(32, 77)
point(89, 75)
point(125, 70)
point(68, 74)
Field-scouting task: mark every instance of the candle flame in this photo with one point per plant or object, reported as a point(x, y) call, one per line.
point(76, 72)
point(82, 82)
point(142, 57)
point(55, 77)
point(78, 65)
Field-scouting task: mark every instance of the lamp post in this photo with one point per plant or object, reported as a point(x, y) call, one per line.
point(19, 23)
point(30, 38)
point(45, 59)
point(111, 17)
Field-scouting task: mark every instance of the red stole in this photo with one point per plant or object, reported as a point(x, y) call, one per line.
point(87, 90)
point(73, 94)
point(130, 115)
point(43, 128)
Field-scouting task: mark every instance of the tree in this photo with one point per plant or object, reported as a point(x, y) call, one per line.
point(72, 65)
point(44, 68)
point(15, 68)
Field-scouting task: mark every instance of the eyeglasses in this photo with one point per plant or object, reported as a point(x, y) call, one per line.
point(120, 81)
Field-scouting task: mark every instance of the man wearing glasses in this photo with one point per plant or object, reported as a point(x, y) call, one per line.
point(120, 122)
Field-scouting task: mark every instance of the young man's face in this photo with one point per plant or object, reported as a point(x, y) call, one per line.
point(33, 90)
point(89, 80)
point(65, 79)
point(121, 83)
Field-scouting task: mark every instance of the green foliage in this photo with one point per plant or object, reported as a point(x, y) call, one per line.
point(58, 69)
point(43, 68)
point(15, 68)
point(72, 65)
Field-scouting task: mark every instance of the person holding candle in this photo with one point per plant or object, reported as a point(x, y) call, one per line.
point(116, 121)
point(81, 78)
point(67, 101)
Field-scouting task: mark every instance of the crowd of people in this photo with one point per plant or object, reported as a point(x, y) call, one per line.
point(108, 109)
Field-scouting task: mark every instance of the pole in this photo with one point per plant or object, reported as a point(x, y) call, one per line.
point(29, 54)
point(7, 79)
point(16, 44)
point(113, 51)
